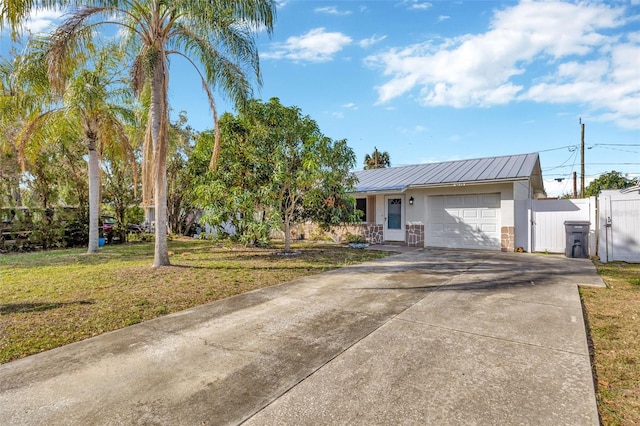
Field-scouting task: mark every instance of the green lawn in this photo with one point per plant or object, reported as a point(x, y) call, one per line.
point(49, 299)
point(613, 316)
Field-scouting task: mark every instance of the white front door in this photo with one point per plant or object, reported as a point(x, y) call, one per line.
point(394, 218)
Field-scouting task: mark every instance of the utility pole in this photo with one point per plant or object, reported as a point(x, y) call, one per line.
point(581, 159)
point(575, 185)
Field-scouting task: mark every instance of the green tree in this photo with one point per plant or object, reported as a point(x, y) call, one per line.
point(215, 37)
point(120, 190)
point(92, 100)
point(377, 160)
point(45, 174)
point(11, 116)
point(236, 194)
point(180, 202)
point(285, 170)
point(14, 12)
point(610, 180)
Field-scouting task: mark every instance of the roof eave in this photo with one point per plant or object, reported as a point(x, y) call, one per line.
point(467, 183)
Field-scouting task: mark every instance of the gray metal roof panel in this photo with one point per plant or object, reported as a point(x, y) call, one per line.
point(462, 171)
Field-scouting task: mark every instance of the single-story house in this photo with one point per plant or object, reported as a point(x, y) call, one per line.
point(482, 203)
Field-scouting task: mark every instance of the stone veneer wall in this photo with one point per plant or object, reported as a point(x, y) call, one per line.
point(507, 241)
point(415, 234)
point(374, 232)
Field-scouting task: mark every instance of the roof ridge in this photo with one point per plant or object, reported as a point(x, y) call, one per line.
point(448, 161)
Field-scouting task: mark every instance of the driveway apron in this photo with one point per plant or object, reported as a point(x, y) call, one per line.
point(424, 337)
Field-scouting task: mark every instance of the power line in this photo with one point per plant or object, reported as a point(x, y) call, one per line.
point(575, 147)
point(616, 144)
point(613, 164)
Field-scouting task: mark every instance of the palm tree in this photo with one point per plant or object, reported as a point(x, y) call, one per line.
point(14, 12)
point(90, 101)
point(217, 38)
point(10, 122)
point(377, 160)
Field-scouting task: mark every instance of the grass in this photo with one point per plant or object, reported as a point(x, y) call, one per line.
point(613, 316)
point(49, 299)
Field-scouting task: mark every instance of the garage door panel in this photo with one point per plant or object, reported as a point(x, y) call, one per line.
point(470, 201)
point(453, 201)
point(490, 200)
point(489, 227)
point(471, 214)
point(467, 221)
point(489, 213)
point(452, 228)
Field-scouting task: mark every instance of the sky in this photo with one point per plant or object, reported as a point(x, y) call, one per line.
point(448, 80)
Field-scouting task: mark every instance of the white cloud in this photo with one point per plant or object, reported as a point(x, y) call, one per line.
point(317, 45)
point(563, 186)
point(332, 10)
point(42, 21)
point(443, 18)
point(582, 62)
point(368, 42)
point(555, 188)
point(350, 105)
point(416, 4)
point(610, 85)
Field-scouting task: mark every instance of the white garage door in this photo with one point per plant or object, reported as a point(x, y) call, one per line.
point(464, 221)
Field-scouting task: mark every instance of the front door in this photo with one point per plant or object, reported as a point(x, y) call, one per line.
point(394, 218)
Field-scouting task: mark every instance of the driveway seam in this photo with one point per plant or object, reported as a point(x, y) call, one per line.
point(338, 354)
point(490, 337)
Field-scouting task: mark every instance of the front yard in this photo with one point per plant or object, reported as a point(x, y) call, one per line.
point(613, 316)
point(49, 299)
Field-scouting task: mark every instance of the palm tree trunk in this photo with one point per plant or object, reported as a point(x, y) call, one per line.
point(94, 197)
point(158, 112)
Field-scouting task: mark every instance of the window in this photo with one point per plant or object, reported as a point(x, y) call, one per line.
point(361, 204)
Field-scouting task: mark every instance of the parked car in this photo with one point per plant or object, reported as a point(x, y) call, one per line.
point(108, 224)
point(132, 228)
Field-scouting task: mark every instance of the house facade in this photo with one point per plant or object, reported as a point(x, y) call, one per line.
point(477, 204)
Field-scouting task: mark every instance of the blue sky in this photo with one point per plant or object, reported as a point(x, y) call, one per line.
point(446, 80)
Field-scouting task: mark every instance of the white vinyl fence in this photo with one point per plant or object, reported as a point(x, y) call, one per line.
point(548, 217)
point(614, 231)
point(619, 226)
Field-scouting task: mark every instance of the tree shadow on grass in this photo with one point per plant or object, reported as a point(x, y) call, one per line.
point(19, 308)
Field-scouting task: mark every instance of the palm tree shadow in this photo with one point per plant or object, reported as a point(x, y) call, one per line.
point(20, 308)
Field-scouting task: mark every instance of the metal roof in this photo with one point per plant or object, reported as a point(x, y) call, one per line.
point(450, 173)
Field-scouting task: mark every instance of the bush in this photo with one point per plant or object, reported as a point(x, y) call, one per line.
point(29, 229)
point(351, 238)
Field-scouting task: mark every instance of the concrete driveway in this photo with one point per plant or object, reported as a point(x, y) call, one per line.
point(423, 337)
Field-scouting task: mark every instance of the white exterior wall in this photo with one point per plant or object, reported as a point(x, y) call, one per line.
point(522, 212)
point(380, 209)
point(513, 196)
point(417, 211)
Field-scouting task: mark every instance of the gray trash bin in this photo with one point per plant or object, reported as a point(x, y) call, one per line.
point(577, 238)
